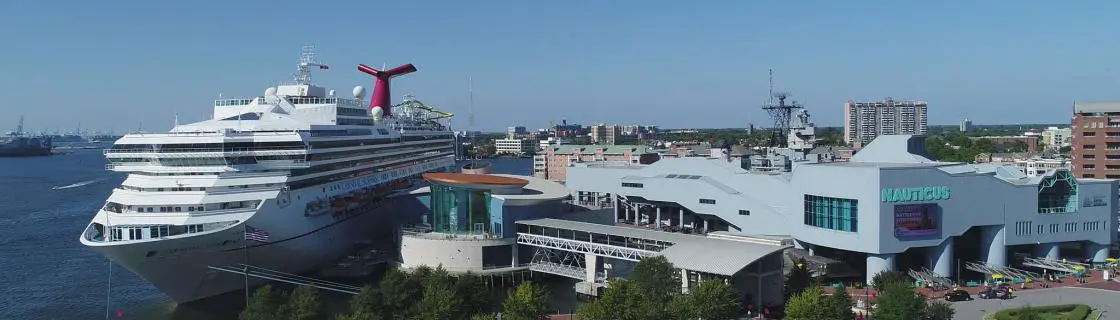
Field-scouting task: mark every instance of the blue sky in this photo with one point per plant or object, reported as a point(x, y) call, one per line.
point(115, 64)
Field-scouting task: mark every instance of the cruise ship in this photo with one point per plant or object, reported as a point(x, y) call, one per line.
point(287, 181)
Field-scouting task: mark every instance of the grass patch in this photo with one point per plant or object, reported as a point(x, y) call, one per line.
point(1058, 312)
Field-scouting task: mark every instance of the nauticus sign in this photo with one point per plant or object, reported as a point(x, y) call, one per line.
point(914, 194)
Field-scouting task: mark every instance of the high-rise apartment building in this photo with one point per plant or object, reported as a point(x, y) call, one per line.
point(1096, 140)
point(515, 132)
point(865, 120)
point(605, 134)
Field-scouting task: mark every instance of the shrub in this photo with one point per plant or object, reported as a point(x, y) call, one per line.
point(1072, 312)
point(1080, 312)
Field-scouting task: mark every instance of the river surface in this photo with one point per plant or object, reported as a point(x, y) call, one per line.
point(45, 273)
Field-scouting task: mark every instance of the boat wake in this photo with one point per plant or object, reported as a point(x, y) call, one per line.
point(79, 184)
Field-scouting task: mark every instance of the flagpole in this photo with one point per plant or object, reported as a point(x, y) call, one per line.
point(245, 249)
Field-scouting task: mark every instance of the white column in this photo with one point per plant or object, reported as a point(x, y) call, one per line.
point(627, 213)
point(614, 203)
point(657, 223)
point(592, 262)
point(681, 210)
point(684, 281)
point(1049, 251)
point(1096, 252)
point(637, 215)
point(878, 263)
point(705, 225)
point(993, 246)
point(941, 258)
point(514, 251)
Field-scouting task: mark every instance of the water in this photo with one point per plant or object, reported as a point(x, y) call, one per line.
point(45, 273)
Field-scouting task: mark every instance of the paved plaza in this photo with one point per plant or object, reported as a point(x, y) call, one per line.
point(1102, 299)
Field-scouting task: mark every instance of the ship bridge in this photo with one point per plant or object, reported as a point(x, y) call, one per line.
point(594, 253)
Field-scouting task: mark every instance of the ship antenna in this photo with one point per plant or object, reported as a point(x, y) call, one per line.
point(470, 115)
point(771, 93)
point(306, 61)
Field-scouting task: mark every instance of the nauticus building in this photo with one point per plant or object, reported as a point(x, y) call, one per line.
point(891, 207)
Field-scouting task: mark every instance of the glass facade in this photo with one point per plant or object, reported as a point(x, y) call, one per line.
point(460, 210)
point(832, 213)
point(1058, 193)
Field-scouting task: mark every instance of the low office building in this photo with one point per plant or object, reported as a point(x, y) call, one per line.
point(889, 207)
point(515, 146)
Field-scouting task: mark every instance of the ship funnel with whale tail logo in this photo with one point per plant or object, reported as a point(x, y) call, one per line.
point(380, 104)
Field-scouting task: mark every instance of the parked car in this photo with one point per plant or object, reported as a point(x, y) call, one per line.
point(957, 295)
point(993, 293)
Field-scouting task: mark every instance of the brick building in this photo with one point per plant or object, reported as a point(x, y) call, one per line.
point(552, 163)
point(1096, 140)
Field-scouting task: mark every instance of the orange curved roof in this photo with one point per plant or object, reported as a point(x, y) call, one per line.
point(473, 179)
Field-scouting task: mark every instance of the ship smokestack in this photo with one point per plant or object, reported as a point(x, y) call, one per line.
point(381, 100)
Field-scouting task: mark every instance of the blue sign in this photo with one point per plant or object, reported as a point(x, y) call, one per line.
point(914, 194)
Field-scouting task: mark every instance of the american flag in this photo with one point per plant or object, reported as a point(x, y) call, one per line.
point(256, 234)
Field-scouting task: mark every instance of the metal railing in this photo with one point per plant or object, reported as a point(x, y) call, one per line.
point(559, 269)
point(185, 150)
point(613, 251)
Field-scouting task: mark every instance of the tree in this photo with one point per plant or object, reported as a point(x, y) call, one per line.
point(469, 288)
point(303, 303)
point(798, 279)
point(433, 278)
point(809, 304)
point(656, 282)
point(265, 304)
point(364, 305)
point(839, 305)
point(484, 316)
point(1065, 149)
point(881, 279)
point(527, 302)
point(439, 303)
point(613, 304)
point(399, 292)
point(897, 301)
point(940, 310)
point(709, 300)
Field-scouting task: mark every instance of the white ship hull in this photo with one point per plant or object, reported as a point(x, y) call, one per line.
point(309, 168)
point(179, 265)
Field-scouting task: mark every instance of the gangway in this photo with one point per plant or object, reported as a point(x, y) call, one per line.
point(258, 272)
point(928, 276)
point(1007, 272)
point(1074, 268)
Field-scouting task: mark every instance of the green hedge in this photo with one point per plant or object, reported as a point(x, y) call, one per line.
point(1072, 311)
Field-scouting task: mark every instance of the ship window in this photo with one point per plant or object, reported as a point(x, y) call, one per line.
point(245, 116)
point(178, 209)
